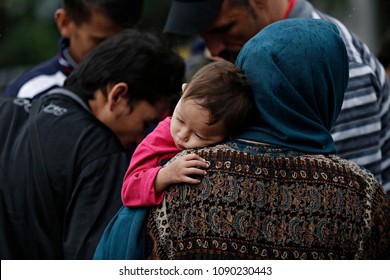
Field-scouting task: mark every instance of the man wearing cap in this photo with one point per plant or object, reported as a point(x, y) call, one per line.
point(362, 130)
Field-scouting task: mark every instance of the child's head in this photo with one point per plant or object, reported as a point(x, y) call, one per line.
point(216, 104)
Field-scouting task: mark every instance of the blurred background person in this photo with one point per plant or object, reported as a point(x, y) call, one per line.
point(82, 24)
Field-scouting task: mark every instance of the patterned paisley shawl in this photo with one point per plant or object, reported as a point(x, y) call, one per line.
point(267, 203)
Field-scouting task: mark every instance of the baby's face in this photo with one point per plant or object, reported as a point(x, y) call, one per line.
point(190, 129)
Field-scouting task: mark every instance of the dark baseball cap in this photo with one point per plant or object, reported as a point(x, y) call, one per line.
point(189, 17)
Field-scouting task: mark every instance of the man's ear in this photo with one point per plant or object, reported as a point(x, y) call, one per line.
point(183, 87)
point(117, 96)
point(64, 23)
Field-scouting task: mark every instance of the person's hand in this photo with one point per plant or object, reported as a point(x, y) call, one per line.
point(182, 170)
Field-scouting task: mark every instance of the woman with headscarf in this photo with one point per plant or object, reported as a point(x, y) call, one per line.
point(278, 191)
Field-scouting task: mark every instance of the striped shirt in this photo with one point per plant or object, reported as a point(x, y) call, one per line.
point(44, 77)
point(362, 130)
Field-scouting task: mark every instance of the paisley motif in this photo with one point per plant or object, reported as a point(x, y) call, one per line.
point(264, 203)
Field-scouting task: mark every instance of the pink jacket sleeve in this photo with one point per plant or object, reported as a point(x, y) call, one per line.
point(138, 184)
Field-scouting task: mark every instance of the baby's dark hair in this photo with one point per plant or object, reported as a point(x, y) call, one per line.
point(222, 88)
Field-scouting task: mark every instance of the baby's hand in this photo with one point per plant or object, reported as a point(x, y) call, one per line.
point(181, 171)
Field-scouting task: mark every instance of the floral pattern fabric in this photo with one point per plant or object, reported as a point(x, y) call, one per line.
point(258, 202)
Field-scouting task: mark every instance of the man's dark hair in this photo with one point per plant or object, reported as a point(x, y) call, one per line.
point(222, 88)
point(142, 60)
point(126, 13)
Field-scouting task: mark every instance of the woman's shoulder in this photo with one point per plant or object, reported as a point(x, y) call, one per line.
point(301, 205)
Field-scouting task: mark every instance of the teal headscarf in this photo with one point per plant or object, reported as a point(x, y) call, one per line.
point(299, 72)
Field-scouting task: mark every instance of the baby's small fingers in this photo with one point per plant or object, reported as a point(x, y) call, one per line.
point(190, 180)
point(195, 171)
point(198, 163)
point(193, 157)
point(204, 164)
